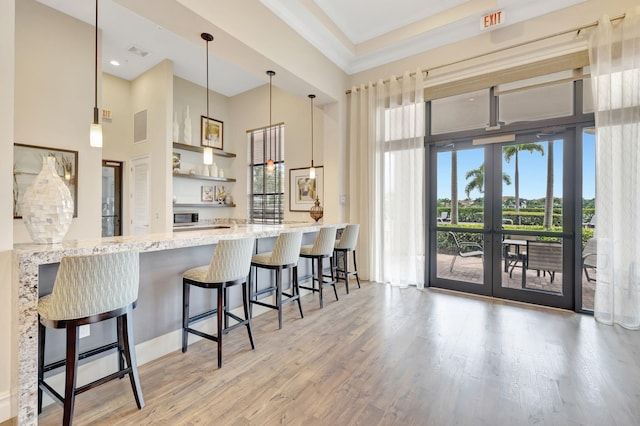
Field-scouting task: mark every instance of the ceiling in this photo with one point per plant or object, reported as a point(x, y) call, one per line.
point(354, 34)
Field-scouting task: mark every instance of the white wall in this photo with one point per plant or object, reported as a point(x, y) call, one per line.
point(117, 132)
point(8, 353)
point(250, 110)
point(153, 91)
point(54, 83)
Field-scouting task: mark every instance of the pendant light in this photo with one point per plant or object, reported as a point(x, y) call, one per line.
point(95, 130)
point(207, 151)
point(271, 167)
point(312, 170)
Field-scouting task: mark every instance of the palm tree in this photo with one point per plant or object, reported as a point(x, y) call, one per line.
point(512, 151)
point(454, 187)
point(548, 201)
point(477, 181)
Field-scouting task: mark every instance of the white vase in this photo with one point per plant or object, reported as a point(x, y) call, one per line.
point(47, 206)
point(176, 128)
point(187, 127)
point(214, 170)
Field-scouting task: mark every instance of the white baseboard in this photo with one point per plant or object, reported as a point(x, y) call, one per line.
point(6, 403)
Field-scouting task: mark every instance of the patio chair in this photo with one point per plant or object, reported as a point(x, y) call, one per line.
point(465, 249)
point(444, 217)
point(591, 223)
point(543, 256)
point(590, 259)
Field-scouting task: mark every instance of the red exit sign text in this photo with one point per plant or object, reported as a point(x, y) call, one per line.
point(492, 20)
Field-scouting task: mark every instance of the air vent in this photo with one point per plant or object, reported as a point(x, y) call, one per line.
point(138, 51)
point(140, 126)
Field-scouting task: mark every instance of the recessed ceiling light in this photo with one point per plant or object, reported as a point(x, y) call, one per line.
point(115, 63)
point(472, 99)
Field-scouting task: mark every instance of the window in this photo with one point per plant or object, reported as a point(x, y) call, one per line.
point(266, 192)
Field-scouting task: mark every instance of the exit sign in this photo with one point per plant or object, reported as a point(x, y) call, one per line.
point(492, 20)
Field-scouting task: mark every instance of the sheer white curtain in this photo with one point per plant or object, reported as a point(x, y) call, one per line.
point(615, 73)
point(386, 149)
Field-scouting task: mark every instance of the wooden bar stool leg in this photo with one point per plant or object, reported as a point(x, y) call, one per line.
point(185, 315)
point(333, 279)
point(345, 270)
point(245, 301)
point(219, 316)
point(71, 368)
point(250, 289)
point(319, 278)
point(279, 295)
point(125, 323)
point(42, 333)
point(121, 346)
point(355, 268)
point(296, 285)
point(226, 309)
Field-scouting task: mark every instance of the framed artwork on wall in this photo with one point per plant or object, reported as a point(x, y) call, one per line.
point(206, 193)
point(27, 163)
point(303, 190)
point(211, 132)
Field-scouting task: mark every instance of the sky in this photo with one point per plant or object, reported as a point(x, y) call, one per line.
point(532, 171)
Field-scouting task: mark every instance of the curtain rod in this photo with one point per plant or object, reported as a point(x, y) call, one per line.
point(524, 43)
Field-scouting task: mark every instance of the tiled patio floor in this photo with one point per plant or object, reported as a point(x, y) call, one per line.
point(471, 270)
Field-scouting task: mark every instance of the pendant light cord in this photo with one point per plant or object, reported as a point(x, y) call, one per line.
point(270, 106)
point(95, 85)
point(311, 96)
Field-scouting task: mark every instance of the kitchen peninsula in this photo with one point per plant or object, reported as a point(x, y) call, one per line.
point(163, 258)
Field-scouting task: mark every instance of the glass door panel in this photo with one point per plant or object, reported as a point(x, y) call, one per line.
point(589, 258)
point(460, 214)
point(531, 199)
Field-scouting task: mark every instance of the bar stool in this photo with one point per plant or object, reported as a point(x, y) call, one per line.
point(285, 255)
point(321, 249)
point(229, 266)
point(89, 289)
point(345, 245)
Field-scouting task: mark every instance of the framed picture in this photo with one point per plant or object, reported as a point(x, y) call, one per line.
point(211, 132)
point(303, 190)
point(220, 194)
point(175, 162)
point(27, 163)
point(206, 193)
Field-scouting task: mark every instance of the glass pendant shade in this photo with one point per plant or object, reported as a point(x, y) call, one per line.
point(207, 155)
point(95, 135)
point(312, 172)
point(271, 167)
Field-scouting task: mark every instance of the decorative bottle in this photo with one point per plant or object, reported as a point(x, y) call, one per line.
point(176, 128)
point(47, 206)
point(187, 127)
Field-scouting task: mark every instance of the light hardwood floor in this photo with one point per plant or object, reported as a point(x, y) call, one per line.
point(384, 355)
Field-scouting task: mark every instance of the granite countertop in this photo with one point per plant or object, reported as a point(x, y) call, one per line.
point(203, 234)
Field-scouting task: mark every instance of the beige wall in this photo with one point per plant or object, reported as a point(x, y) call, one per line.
point(54, 82)
point(250, 110)
point(8, 352)
point(565, 19)
point(116, 133)
point(153, 91)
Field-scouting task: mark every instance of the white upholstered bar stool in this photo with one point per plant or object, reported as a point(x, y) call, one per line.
point(90, 289)
point(229, 266)
point(345, 245)
point(285, 255)
point(321, 249)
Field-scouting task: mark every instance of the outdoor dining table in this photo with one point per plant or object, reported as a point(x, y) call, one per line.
point(512, 242)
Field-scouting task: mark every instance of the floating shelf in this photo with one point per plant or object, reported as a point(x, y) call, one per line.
point(201, 177)
point(196, 148)
point(203, 205)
